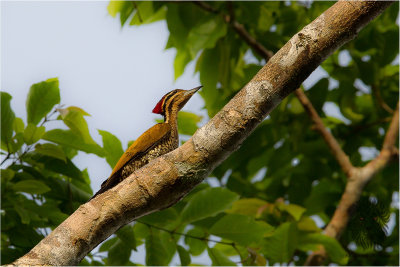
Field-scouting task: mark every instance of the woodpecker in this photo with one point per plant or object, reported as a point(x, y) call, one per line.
point(156, 141)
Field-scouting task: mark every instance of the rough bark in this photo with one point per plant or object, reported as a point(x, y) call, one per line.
point(167, 179)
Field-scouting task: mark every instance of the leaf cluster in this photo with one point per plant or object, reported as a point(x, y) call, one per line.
point(284, 172)
point(40, 183)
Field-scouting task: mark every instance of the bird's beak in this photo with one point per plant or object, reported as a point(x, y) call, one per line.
point(192, 91)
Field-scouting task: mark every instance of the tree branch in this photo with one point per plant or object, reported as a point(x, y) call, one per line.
point(378, 97)
point(166, 179)
point(330, 140)
point(356, 183)
point(334, 146)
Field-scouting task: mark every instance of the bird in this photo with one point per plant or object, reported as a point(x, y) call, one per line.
point(156, 141)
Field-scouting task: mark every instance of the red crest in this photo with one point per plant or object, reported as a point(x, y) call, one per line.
point(158, 108)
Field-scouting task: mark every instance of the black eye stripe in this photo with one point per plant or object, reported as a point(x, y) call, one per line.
point(166, 99)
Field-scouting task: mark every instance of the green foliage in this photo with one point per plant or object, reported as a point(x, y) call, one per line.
point(187, 122)
point(112, 147)
point(218, 258)
point(41, 99)
point(40, 184)
point(284, 171)
point(367, 226)
point(207, 202)
point(184, 255)
point(7, 119)
point(240, 228)
point(335, 251)
point(272, 189)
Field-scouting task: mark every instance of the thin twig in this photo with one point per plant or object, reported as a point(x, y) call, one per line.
point(206, 6)
point(6, 158)
point(378, 97)
point(187, 235)
point(29, 147)
point(330, 140)
point(240, 30)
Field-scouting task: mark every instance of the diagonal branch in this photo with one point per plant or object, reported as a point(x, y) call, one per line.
point(166, 179)
point(330, 140)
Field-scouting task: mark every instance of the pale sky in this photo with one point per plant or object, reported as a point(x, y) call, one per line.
point(116, 75)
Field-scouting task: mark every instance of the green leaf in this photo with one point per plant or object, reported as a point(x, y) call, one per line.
point(295, 106)
point(114, 7)
point(55, 216)
point(295, 210)
point(308, 225)
point(31, 186)
point(156, 252)
point(76, 122)
point(51, 150)
point(32, 134)
point(208, 202)
point(119, 254)
point(324, 194)
point(19, 125)
point(218, 258)
point(347, 106)
point(187, 122)
point(208, 65)
point(335, 251)
point(280, 246)
point(145, 13)
point(112, 147)
point(66, 168)
point(7, 120)
point(124, 8)
point(6, 175)
point(182, 58)
point(196, 246)
point(70, 139)
point(240, 228)
point(23, 213)
point(108, 244)
point(63, 190)
point(318, 93)
point(64, 111)
point(206, 34)
point(41, 99)
point(248, 206)
point(16, 143)
point(162, 218)
point(184, 256)
point(127, 235)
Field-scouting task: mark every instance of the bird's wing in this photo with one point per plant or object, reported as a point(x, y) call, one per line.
point(142, 144)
